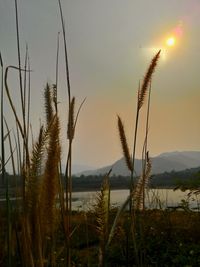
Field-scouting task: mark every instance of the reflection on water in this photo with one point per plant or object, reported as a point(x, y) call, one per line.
point(155, 198)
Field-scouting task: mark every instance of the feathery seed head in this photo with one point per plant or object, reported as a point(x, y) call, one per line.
point(124, 144)
point(48, 103)
point(147, 79)
point(70, 128)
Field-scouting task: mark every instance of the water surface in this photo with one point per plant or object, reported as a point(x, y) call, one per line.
point(155, 198)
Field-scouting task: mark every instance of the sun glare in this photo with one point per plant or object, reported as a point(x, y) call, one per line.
point(170, 41)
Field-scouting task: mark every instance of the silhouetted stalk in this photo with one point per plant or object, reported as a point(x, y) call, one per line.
point(2, 124)
point(102, 211)
point(8, 204)
point(19, 57)
point(21, 128)
point(71, 126)
point(32, 138)
point(18, 154)
point(8, 215)
point(57, 61)
point(8, 237)
point(134, 149)
point(8, 219)
point(16, 206)
point(25, 77)
point(142, 91)
point(124, 145)
point(144, 156)
point(66, 54)
point(20, 163)
point(68, 202)
point(60, 186)
point(21, 86)
point(25, 155)
point(135, 191)
point(68, 175)
point(11, 149)
point(29, 101)
point(78, 112)
point(10, 100)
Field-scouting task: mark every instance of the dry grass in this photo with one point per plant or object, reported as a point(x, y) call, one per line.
point(43, 230)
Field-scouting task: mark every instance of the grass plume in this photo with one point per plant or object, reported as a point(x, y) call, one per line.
point(50, 180)
point(48, 103)
point(146, 81)
point(70, 128)
point(102, 210)
point(124, 144)
point(142, 91)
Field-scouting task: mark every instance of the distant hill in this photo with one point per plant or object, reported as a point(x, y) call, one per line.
point(77, 168)
point(166, 162)
point(184, 179)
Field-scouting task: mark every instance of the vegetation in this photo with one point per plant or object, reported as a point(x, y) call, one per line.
point(186, 179)
point(40, 228)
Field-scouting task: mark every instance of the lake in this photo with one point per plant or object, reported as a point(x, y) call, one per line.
point(155, 198)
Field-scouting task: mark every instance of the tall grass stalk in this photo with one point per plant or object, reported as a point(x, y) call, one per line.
point(29, 100)
point(11, 101)
point(18, 149)
point(142, 91)
point(26, 112)
point(22, 93)
point(145, 155)
point(23, 165)
point(11, 148)
point(19, 59)
point(134, 198)
point(70, 136)
point(57, 68)
point(8, 224)
point(68, 175)
point(2, 123)
point(55, 100)
point(8, 215)
point(102, 212)
point(66, 54)
point(72, 121)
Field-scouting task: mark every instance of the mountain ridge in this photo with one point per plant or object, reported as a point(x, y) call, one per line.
point(164, 162)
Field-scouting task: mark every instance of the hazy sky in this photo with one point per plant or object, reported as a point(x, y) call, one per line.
point(110, 44)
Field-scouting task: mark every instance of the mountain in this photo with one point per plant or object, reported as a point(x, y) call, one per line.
point(165, 162)
point(77, 168)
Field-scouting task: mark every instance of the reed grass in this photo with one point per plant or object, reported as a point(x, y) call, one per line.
point(43, 231)
point(142, 91)
point(124, 145)
point(102, 212)
point(43, 184)
point(68, 171)
point(136, 196)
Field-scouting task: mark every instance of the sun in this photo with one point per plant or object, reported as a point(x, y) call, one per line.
point(171, 41)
